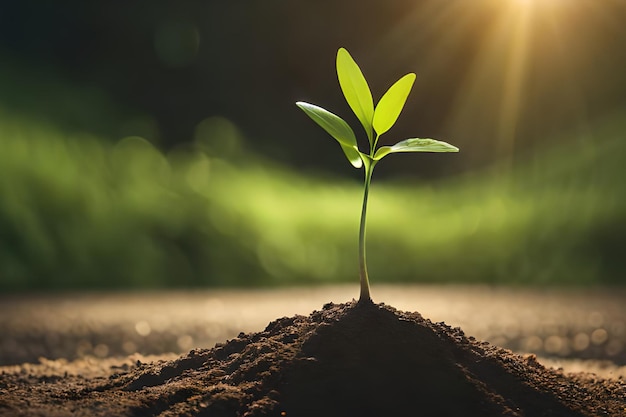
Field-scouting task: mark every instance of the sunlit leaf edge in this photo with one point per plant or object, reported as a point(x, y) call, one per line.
point(353, 155)
point(415, 145)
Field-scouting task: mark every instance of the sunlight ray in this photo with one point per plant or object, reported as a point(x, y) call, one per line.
point(514, 75)
point(509, 72)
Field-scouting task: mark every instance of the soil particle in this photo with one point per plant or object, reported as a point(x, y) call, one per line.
point(344, 360)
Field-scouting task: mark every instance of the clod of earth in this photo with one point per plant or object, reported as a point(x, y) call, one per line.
point(345, 360)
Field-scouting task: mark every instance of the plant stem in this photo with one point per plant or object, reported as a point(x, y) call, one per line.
point(365, 284)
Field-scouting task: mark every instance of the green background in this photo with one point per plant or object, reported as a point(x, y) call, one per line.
point(158, 144)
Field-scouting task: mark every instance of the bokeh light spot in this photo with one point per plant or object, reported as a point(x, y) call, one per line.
point(599, 336)
point(185, 342)
point(581, 342)
point(143, 328)
point(218, 136)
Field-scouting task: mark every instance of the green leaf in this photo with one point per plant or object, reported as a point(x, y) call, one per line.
point(355, 90)
point(337, 128)
point(390, 105)
point(331, 123)
point(415, 145)
point(353, 155)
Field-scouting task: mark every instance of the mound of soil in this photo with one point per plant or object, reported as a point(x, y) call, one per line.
point(345, 360)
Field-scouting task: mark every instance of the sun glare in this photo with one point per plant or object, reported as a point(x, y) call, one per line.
point(514, 68)
point(522, 50)
point(541, 4)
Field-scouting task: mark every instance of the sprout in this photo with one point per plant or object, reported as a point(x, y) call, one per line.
point(376, 121)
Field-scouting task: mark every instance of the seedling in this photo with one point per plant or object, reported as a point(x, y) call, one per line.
point(376, 121)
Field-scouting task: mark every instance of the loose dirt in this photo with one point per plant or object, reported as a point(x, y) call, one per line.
point(344, 360)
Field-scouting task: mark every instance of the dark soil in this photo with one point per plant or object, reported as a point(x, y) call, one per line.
point(345, 360)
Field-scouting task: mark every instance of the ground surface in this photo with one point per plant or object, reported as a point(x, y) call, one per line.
point(337, 361)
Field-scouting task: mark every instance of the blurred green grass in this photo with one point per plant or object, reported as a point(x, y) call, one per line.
point(78, 212)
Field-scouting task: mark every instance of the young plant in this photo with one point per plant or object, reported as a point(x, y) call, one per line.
point(376, 121)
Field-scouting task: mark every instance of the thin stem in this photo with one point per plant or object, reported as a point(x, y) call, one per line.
point(373, 146)
point(365, 285)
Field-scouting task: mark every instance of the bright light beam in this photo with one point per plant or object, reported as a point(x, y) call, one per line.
point(514, 74)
